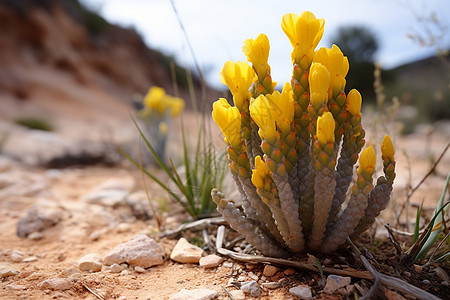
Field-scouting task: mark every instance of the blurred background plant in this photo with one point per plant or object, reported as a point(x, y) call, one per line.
point(155, 114)
point(34, 123)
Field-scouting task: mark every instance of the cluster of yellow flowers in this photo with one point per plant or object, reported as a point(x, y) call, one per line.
point(156, 101)
point(283, 147)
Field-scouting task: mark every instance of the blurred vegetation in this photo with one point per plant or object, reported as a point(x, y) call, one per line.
point(94, 23)
point(360, 45)
point(34, 123)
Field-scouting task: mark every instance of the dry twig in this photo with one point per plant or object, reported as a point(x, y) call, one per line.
point(283, 262)
point(196, 226)
point(92, 291)
point(393, 282)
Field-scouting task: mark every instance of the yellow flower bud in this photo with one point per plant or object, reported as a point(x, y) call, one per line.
point(238, 77)
point(367, 161)
point(260, 172)
point(319, 81)
point(262, 113)
point(354, 101)
point(229, 120)
point(257, 51)
point(336, 63)
point(282, 107)
point(325, 128)
point(304, 31)
point(387, 149)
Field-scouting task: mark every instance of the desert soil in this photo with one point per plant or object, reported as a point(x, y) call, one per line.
point(86, 227)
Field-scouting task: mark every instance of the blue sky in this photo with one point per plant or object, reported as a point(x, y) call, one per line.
point(217, 29)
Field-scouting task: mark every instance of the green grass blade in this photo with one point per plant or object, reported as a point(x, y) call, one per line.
point(189, 185)
point(190, 205)
point(152, 150)
point(417, 227)
point(160, 183)
point(437, 219)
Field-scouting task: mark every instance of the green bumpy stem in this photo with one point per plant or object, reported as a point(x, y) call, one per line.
point(300, 88)
point(337, 108)
point(269, 195)
point(378, 199)
point(351, 146)
point(253, 207)
point(251, 232)
point(350, 217)
point(324, 184)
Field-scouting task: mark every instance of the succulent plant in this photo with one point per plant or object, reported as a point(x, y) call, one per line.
point(292, 153)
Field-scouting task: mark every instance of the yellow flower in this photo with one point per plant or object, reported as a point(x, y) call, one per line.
point(229, 120)
point(336, 63)
point(238, 77)
point(260, 172)
point(325, 128)
point(354, 101)
point(367, 161)
point(319, 81)
point(262, 113)
point(387, 149)
point(304, 32)
point(282, 107)
point(257, 52)
point(157, 100)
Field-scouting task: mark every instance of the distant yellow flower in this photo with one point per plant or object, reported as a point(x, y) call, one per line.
point(157, 100)
point(387, 149)
point(319, 81)
point(257, 52)
point(163, 128)
point(325, 128)
point(304, 32)
point(238, 77)
point(367, 161)
point(229, 120)
point(354, 101)
point(260, 172)
point(262, 113)
point(336, 63)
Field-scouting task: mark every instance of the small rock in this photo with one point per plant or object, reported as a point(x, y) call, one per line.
point(302, 291)
point(341, 291)
point(335, 282)
point(139, 269)
point(441, 274)
point(37, 219)
point(123, 227)
point(124, 273)
point(30, 259)
point(227, 264)
point(70, 271)
point(252, 288)
point(196, 294)
point(417, 269)
point(115, 268)
point(237, 294)
point(56, 284)
point(16, 287)
point(426, 281)
point(327, 261)
point(210, 261)
point(109, 198)
point(36, 236)
point(140, 251)
point(91, 262)
point(186, 253)
point(269, 270)
point(17, 256)
point(350, 289)
point(289, 271)
point(271, 285)
point(95, 235)
point(391, 295)
point(7, 270)
point(253, 276)
point(407, 274)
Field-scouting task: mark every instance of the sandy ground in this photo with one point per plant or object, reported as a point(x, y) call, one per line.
point(57, 252)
